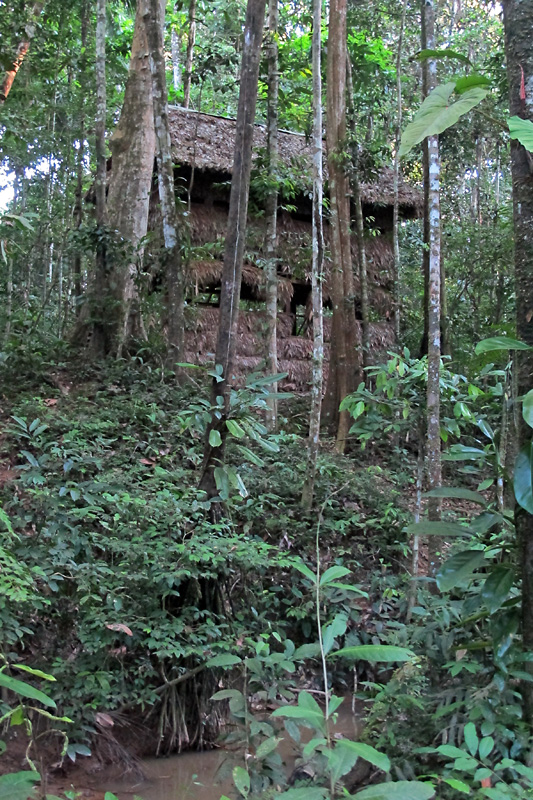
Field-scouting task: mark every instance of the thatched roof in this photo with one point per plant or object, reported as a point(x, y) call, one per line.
point(206, 142)
point(203, 275)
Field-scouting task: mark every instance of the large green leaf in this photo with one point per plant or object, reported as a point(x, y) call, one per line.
point(444, 529)
point(397, 790)
point(459, 493)
point(459, 567)
point(241, 779)
point(422, 55)
point(340, 761)
point(223, 660)
point(522, 129)
point(500, 343)
point(18, 785)
point(527, 408)
point(522, 479)
point(437, 113)
point(375, 653)
point(365, 751)
point(25, 690)
point(497, 587)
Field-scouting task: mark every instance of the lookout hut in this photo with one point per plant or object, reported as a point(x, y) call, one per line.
point(202, 149)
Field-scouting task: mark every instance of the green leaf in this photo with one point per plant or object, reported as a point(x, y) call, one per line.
point(450, 751)
point(25, 690)
point(471, 738)
point(226, 694)
point(527, 408)
point(18, 785)
point(37, 672)
point(469, 82)
point(303, 793)
point(459, 493)
point(301, 567)
point(500, 343)
point(486, 746)
point(422, 55)
point(110, 796)
point(235, 429)
point(521, 129)
point(437, 113)
point(215, 439)
point(444, 529)
point(397, 790)
point(224, 660)
point(366, 752)
point(333, 574)
point(497, 587)
point(340, 761)
point(241, 779)
point(459, 786)
point(267, 747)
point(375, 653)
point(458, 567)
point(523, 490)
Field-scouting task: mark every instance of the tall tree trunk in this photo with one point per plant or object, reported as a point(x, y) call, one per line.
point(396, 206)
point(343, 363)
point(361, 252)
point(518, 21)
point(235, 240)
point(271, 266)
point(433, 449)
point(154, 24)
point(425, 179)
point(98, 341)
point(22, 50)
point(78, 201)
point(190, 54)
point(318, 264)
point(128, 199)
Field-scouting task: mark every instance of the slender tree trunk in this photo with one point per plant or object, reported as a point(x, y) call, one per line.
point(425, 178)
point(78, 202)
point(343, 364)
point(235, 240)
point(128, 199)
point(271, 266)
point(175, 45)
point(98, 340)
point(22, 50)
point(190, 54)
point(518, 21)
point(433, 449)
point(154, 24)
point(396, 206)
point(318, 264)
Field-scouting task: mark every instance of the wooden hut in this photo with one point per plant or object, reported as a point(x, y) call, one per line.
point(202, 148)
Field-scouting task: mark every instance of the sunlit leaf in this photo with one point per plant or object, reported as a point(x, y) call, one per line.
point(521, 129)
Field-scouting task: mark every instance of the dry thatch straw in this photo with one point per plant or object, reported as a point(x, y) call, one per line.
point(204, 275)
point(206, 142)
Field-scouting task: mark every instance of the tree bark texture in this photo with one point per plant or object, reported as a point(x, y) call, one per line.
point(191, 39)
point(22, 50)
point(235, 237)
point(98, 344)
point(396, 206)
point(317, 265)
point(271, 210)
point(78, 198)
point(343, 358)
point(518, 22)
point(154, 25)
point(133, 151)
point(433, 446)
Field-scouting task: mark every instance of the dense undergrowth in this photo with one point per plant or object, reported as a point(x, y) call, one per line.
point(116, 582)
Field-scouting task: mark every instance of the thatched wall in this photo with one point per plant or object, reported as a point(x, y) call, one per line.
point(294, 352)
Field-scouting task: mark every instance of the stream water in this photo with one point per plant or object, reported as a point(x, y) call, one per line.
point(206, 775)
